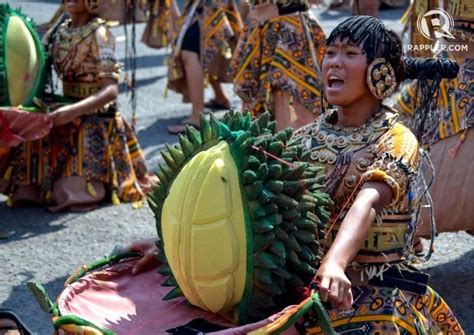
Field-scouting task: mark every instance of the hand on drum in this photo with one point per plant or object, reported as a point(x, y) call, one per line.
point(64, 115)
point(334, 286)
point(148, 249)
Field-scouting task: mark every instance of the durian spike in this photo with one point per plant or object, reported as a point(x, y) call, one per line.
point(176, 154)
point(194, 136)
point(169, 160)
point(174, 293)
point(205, 129)
point(215, 126)
point(186, 146)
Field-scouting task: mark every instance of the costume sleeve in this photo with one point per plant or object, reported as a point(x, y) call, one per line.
point(396, 160)
point(104, 51)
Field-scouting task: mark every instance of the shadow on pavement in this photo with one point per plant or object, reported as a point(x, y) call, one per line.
point(141, 83)
point(38, 321)
point(148, 61)
point(30, 221)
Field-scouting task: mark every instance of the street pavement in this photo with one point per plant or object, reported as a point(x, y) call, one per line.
point(48, 247)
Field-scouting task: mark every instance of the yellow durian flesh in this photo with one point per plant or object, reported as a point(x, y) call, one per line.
point(22, 61)
point(204, 232)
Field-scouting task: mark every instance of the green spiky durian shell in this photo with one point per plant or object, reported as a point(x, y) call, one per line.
point(22, 59)
point(285, 207)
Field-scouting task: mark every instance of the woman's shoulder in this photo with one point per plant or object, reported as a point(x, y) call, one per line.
point(102, 31)
point(398, 142)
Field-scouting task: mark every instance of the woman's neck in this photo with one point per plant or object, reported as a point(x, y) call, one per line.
point(358, 113)
point(79, 20)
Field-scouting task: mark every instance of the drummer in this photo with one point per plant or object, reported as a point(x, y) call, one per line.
point(91, 151)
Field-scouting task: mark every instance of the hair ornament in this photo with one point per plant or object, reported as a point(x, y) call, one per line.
point(381, 78)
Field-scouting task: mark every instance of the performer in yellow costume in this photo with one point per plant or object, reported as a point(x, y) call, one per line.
point(91, 152)
point(447, 134)
point(276, 64)
point(201, 51)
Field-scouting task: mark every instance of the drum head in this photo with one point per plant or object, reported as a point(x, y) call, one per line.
point(115, 299)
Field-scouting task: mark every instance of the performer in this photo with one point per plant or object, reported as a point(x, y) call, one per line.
point(201, 50)
point(91, 150)
point(447, 132)
point(276, 64)
point(373, 171)
point(160, 26)
point(372, 165)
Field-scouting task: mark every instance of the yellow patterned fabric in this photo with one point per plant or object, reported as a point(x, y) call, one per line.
point(455, 99)
point(455, 103)
point(77, 163)
point(279, 54)
point(381, 150)
point(380, 310)
point(85, 54)
point(159, 28)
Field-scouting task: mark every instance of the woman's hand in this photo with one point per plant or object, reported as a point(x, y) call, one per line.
point(65, 114)
point(334, 286)
point(148, 249)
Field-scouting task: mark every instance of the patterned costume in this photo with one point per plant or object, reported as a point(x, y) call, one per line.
point(279, 51)
point(70, 166)
point(159, 28)
point(381, 150)
point(218, 24)
point(450, 140)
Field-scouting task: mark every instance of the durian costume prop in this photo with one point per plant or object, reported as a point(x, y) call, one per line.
point(217, 25)
point(280, 50)
point(160, 29)
point(21, 56)
point(449, 138)
point(76, 164)
point(240, 216)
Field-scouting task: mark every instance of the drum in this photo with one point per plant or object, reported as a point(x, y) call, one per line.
point(105, 298)
point(22, 59)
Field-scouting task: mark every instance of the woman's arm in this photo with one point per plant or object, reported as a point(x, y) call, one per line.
point(66, 114)
point(334, 284)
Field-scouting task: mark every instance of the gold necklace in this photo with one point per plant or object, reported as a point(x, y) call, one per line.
point(329, 141)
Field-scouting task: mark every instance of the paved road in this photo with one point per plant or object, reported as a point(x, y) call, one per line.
point(47, 247)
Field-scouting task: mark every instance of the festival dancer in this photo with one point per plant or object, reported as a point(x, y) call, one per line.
point(372, 166)
point(276, 64)
point(372, 163)
point(91, 151)
point(200, 54)
point(446, 133)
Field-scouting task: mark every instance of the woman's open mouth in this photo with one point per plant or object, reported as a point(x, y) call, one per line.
point(335, 82)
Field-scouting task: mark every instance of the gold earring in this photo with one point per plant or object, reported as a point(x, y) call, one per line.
point(381, 78)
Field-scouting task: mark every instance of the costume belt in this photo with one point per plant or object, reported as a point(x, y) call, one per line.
point(80, 90)
point(381, 238)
